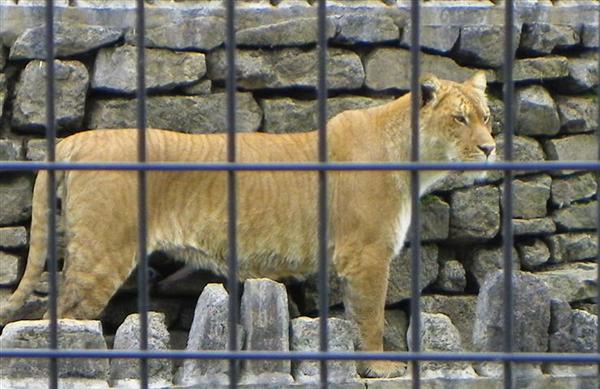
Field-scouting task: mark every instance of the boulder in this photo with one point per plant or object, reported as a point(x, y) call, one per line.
point(460, 309)
point(579, 216)
point(15, 197)
point(582, 77)
point(452, 277)
point(399, 284)
point(472, 223)
point(13, 237)
point(571, 247)
point(571, 281)
point(536, 227)
point(486, 260)
point(543, 38)
point(9, 268)
point(577, 113)
point(567, 190)
point(533, 253)
point(479, 44)
point(439, 38)
point(579, 147)
point(536, 112)
point(10, 149)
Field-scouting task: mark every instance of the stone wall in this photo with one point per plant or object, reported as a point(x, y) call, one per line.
point(556, 75)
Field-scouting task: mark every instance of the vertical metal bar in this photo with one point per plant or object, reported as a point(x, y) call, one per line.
point(322, 196)
point(232, 279)
point(507, 233)
point(50, 144)
point(143, 297)
point(415, 239)
point(598, 205)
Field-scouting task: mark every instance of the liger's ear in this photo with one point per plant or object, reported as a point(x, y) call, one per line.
point(430, 86)
point(478, 81)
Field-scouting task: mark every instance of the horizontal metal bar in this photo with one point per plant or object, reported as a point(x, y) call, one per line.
point(315, 355)
point(300, 166)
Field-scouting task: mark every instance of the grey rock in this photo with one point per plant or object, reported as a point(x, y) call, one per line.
point(573, 188)
point(542, 38)
point(460, 309)
point(9, 268)
point(15, 197)
point(210, 331)
point(10, 149)
point(440, 38)
point(479, 44)
point(571, 282)
point(437, 333)
point(561, 316)
point(538, 69)
point(117, 312)
point(394, 331)
point(13, 237)
point(63, 383)
point(488, 260)
point(583, 330)
point(389, 68)
point(577, 113)
point(469, 222)
point(291, 32)
point(538, 226)
point(533, 253)
point(435, 219)
point(2, 92)
point(576, 217)
point(73, 334)
point(580, 147)
point(583, 76)
point(531, 313)
point(496, 107)
point(311, 291)
point(589, 35)
point(305, 337)
point(286, 115)
point(265, 317)
point(525, 149)
point(126, 371)
point(289, 68)
point(399, 284)
point(72, 81)
point(536, 112)
point(203, 87)
point(3, 57)
point(572, 247)
point(452, 277)
point(204, 114)
point(530, 196)
point(365, 28)
point(115, 69)
point(36, 149)
point(203, 33)
point(69, 39)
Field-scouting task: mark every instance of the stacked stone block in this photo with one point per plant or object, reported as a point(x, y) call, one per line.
point(556, 109)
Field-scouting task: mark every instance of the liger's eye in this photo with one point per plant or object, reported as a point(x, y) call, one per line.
point(461, 119)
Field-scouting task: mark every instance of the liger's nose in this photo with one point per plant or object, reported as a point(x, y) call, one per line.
point(487, 149)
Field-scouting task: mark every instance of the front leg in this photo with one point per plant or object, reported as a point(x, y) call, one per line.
point(365, 272)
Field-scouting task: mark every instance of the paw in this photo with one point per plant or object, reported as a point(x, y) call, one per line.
point(382, 369)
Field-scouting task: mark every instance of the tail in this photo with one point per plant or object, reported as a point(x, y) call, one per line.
point(37, 249)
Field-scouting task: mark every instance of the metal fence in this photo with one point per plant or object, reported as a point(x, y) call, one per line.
point(508, 357)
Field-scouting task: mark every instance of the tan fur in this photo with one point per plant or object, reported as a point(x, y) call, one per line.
point(369, 212)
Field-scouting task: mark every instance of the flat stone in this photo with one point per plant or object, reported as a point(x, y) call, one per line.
point(530, 195)
point(471, 223)
point(460, 309)
point(538, 69)
point(36, 149)
point(479, 44)
point(533, 253)
point(305, 337)
point(15, 197)
point(210, 331)
point(10, 149)
point(202, 33)
point(571, 281)
point(536, 112)
point(577, 113)
point(531, 312)
point(567, 190)
point(543, 38)
point(115, 69)
point(580, 216)
point(452, 277)
point(74, 334)
point(439, 38)
point(291, 32)
point(203, 87)
point(72, 81)
point(125, 372)
point(69, 39)
point(394, 332)
point(63, 383)
point(589, 35)
point(525, 149)
point(389, 68)
point(289, 68)
point(13, 237)
point(365, 28)
point(399, 284)
point(437, 333)
point(204, 114)
point(582, 77)
point(435, 219)
point(535, 227)
point(9, 268)
point(265, 317)
point(486, 260)
point(572, 247)
point(580, 147)
point(286, 115)
point(496, 107)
